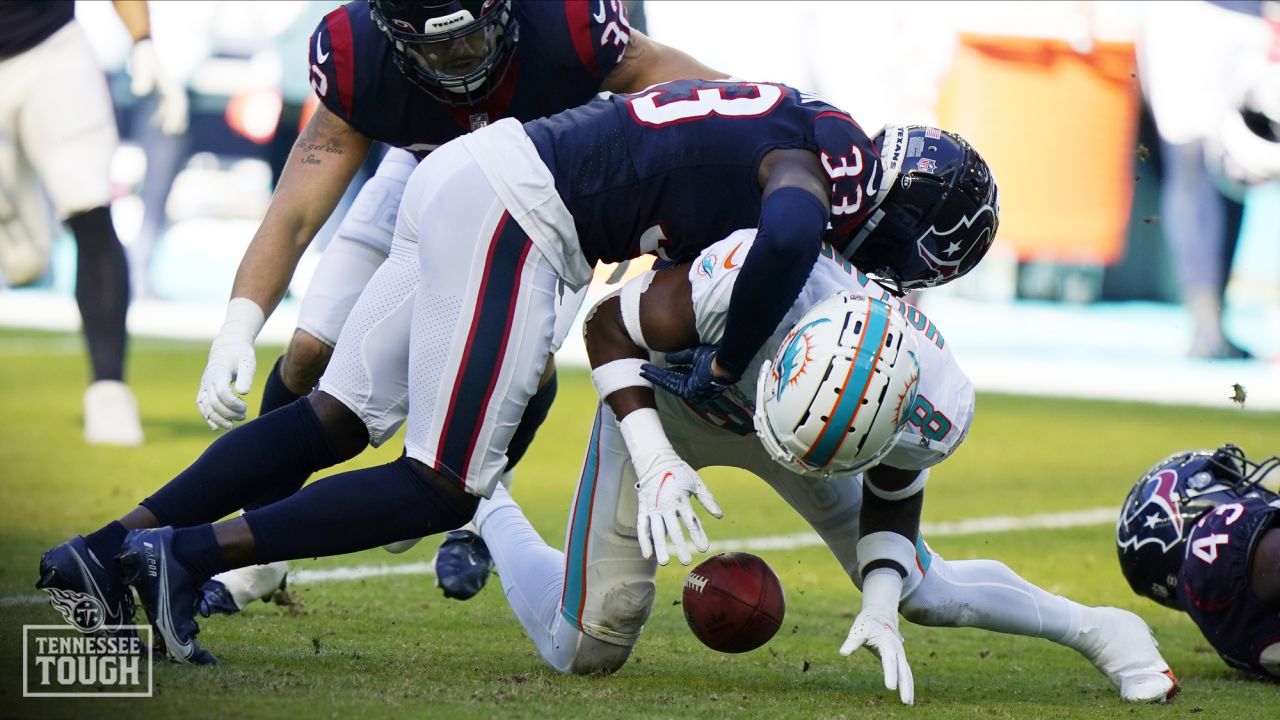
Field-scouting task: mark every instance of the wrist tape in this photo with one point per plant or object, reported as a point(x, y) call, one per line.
point(893, 495)
point(618, 374)
point(889, 546)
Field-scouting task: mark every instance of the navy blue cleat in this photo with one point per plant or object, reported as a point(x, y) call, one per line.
point(168, 592)
point(215, 599)
point(230, 592)
point(72, 568)
point(463, 563)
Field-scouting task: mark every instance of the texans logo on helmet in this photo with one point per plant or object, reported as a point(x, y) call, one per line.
point(1157, 511)
point(957, 247)
point(795, 356)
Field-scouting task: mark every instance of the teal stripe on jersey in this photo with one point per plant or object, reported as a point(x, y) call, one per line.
point(846, 409)
point(575, 560)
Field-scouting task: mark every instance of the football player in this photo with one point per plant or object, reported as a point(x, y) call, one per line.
point(1200, 533)
point(493, 228)
point(413, 74)
point(843, 411)
point(57, 136)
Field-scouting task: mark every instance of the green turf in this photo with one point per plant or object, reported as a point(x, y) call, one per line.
point(392, 645)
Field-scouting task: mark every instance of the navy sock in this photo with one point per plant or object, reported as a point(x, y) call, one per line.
point(273, 454)
point(102, 290)
point(105, 543)
point(534, 414)
point(358, 510)
point(275, 394)
point(197, 549)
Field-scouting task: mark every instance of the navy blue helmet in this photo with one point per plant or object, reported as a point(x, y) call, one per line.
point(936, 210)
point(457, 51)
point(1161, 508)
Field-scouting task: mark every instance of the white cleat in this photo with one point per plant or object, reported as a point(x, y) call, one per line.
point(1121, 646)
point(111, 415)
point(230, 592)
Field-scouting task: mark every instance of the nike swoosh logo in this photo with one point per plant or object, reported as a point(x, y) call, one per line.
point(87, 574)
point(183, 650)
point(729, 264)
point(872, 186)
point(321, 56)
point(666, 476)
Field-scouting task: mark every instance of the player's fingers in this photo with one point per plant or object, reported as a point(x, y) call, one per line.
point(697, 535)
point(906, 681)
point(889, 663)
point(704, 496)
point(658, 531)
point(245, 368)
point(851, 644)
point(672, 525)
point(646, 541)
point(223, 396)
point(206, 412)
point(221, 414)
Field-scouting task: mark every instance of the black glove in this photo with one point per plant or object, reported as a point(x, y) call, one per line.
point(688, 374)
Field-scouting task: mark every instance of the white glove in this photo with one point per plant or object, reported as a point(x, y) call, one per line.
point(147, 76)
point(877, 628)
point(231, 358)
point(664, 486)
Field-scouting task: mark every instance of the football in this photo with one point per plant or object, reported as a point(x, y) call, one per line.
point(733, 602)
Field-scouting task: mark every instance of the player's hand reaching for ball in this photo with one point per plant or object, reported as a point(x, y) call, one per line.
point(876, 627)
point(665, 485)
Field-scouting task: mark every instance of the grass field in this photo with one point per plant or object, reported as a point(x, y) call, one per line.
point(393, 646)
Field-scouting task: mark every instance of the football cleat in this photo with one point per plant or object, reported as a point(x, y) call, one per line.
point(230, 592)
point(1121, 646)
point(463, 563)
point(111, 415)
point(168, 592)
point(72, 567)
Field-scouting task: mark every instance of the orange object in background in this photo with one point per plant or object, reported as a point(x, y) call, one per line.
point(1058, 129)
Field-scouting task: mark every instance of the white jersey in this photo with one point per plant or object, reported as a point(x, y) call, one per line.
point(943, 409)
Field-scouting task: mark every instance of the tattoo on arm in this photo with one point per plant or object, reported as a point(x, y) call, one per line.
point(322, 136)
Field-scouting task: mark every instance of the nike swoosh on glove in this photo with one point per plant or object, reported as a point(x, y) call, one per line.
point(665, 484)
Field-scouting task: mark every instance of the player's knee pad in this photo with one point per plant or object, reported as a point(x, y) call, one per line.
point(595, 657)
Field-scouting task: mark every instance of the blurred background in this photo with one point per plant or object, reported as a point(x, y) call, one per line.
point(1137, 257)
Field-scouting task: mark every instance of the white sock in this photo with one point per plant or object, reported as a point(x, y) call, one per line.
point(532, 572)
point(989, 595)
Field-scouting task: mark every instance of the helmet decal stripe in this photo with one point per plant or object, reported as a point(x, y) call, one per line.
point(845, 411)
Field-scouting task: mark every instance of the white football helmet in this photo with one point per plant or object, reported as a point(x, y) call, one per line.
point(840, 388)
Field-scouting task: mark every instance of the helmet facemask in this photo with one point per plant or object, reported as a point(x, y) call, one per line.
point(452, 55)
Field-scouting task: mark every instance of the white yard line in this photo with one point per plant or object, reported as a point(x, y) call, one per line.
point(996, 524)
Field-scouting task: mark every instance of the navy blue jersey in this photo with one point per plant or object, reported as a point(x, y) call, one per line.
point(674, 168)
point(566, 48)
point(27, 23)
point(1215, 588)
